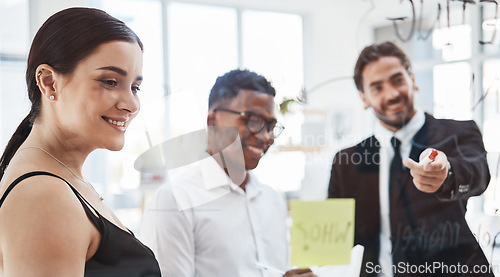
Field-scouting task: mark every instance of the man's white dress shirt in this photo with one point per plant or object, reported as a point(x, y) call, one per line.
point(384, 136)
point(224, 234)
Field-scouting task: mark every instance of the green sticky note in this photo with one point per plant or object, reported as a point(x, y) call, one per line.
point(322, 232)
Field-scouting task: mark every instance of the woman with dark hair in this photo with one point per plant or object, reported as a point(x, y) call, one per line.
point(83, 75)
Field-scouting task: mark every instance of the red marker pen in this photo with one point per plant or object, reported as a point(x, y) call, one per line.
point(429, 158)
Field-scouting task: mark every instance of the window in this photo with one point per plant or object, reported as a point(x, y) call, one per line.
point(453, 74)
point(207, 41)
point(490, 28)
point(454, 42)
point(452, 96)
point(112, 173)
point(490, 102)
point(202, 44)
point(14, 45)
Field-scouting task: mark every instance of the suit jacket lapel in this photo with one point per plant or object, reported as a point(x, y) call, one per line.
point(368, 151)
point(421, 139)
point(367, 231)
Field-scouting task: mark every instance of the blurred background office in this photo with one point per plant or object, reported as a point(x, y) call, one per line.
point(308, 50)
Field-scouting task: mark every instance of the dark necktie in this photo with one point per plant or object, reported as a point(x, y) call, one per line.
point(396, 173)
point(397, 196)
point(402, 218)
point(397, 162)
point(395, 182)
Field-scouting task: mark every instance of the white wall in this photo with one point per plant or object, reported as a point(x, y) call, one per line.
point(40, 10)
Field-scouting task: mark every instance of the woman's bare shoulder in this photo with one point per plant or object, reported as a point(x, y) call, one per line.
point(43, 222)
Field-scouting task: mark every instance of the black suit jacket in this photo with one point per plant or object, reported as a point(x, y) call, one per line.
point(432, 228)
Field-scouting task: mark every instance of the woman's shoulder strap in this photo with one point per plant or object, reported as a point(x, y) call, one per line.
point(82, 200)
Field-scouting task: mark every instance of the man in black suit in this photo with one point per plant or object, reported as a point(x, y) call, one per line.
point(410, 218)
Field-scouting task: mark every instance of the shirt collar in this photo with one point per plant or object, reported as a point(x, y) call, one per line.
point(214, 176)
point(404, 134)
point(253, 186)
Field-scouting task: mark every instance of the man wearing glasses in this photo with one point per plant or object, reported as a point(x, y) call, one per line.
point(241, 231)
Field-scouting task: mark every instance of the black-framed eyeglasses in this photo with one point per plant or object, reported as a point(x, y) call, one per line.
point(255, 123)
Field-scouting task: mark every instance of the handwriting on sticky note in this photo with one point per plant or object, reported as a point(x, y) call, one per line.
point(322, 232)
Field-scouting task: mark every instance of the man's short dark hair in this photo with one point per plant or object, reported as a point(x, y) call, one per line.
point(374, 52)
point(228, 86)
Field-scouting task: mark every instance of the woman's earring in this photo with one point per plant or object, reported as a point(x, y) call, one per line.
point(38, 75)
point(52, 97)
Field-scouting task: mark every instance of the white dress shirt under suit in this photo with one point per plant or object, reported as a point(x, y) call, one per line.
point(384, 136)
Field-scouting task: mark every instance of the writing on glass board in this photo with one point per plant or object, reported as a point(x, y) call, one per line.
point(424, 34)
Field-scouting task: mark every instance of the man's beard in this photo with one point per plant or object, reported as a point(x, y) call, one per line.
point(397, 121)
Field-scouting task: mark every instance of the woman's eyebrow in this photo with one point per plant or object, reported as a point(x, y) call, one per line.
point(114, 69)
point(119, 71)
